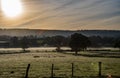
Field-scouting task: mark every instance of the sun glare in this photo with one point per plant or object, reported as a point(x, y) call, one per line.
point(11, 8)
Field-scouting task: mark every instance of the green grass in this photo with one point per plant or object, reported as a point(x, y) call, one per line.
point(14, 65)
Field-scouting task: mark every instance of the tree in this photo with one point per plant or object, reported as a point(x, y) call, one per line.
point(58, 41)
point(96, 41)
point(117, 44)
point(24, 43)
point(78, 42)
point(14, 42)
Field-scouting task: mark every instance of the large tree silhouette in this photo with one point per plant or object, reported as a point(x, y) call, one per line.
point(78, 42)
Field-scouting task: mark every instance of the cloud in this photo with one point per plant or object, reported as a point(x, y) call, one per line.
point(70, 14)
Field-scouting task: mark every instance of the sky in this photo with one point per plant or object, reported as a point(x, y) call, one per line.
point(66, 15)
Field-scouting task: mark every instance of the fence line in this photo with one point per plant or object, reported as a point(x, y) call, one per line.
point(72, 71)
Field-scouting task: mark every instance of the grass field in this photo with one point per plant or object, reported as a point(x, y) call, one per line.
point(13, 64)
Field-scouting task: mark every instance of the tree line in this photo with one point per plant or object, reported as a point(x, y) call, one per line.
point(73, 41)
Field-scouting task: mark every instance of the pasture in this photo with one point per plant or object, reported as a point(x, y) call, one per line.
point(13, 64)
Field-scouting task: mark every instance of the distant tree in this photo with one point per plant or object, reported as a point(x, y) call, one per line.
point(24, 43)
point(96, 41)
point(58, 41)
point(117, 44)
point(47, 41)
point(78, 42)
point(15, 42)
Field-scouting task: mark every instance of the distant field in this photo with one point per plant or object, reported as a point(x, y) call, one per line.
point(13, 64)
point(53, 48)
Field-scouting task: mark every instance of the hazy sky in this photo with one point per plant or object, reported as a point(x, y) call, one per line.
point(66, 15)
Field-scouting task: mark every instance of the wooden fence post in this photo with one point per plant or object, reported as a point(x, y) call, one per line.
point(52, 72)
point(100, 65)
point(27, 70)
point(72, 69)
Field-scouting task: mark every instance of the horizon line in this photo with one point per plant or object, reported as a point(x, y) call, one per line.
point(59, 29)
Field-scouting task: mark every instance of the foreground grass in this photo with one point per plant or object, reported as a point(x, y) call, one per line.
point(14, 65)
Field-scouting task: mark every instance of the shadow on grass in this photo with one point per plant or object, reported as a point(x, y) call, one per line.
point(96, 54)
point(13, 52)
point(85, 77)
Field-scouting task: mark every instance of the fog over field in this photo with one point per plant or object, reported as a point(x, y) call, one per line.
point(59, 38)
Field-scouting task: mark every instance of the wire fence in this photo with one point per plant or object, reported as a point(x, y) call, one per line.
point(62, 70)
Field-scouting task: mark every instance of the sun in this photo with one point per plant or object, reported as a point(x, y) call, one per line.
point(11, 8)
